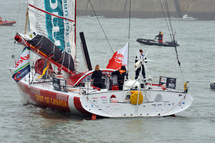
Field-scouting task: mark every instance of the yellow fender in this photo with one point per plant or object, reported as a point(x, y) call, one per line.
point(134, 97)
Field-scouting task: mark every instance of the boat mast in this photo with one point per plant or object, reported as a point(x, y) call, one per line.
point(75, 28)
point(129, 30)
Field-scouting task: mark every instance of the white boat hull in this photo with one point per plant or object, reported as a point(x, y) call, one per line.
point(172, 103)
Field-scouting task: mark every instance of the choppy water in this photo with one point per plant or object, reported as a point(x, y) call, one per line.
point(26, 123)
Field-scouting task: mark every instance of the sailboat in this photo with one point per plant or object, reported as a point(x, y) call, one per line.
point(52, 36)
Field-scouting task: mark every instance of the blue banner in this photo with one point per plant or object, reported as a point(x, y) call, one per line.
point(22, 67)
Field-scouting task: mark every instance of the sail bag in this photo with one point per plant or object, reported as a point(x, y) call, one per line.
point(45, 45)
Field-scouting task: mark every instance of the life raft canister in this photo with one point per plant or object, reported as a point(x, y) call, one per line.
point(113, 99)
point(134, 97)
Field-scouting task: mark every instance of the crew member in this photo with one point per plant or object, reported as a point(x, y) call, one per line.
point(121, 74)
point(137, 58)
point(160, 37)
point(186, 87)
point(96, 78)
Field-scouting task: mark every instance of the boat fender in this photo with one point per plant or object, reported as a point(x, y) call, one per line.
point(93, 117)
point(134, 97)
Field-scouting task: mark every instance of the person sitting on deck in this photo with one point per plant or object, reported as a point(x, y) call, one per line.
point(160, 37)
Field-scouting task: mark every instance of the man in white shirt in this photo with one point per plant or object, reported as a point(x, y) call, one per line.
point(137, 58)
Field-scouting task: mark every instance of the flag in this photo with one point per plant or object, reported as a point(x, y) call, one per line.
point(22, 67)
point(119, 58)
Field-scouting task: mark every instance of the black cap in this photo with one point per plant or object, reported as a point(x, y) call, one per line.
point(123, 68)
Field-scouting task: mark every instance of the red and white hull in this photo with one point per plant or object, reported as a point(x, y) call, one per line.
point(89, 101)
point(43, 95)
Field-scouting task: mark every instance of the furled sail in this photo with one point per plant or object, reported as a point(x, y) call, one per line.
point(47, 49)
point(50, 49)
point(55, 20)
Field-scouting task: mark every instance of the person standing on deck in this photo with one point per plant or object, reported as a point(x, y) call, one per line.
point(137, 58)
point(96, 78)
point(121, 75)
point(186, 87)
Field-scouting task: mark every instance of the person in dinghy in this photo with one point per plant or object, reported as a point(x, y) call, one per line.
point(159, 37)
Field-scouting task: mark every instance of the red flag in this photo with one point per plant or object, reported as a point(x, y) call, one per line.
point(119, 58)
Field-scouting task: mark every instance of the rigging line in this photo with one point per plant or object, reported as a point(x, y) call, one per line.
point(101, 26)
point(168, 15)
point(18, 15)
point(166, 19)
point(173, 37)
point(170, 67)
point(124, 10)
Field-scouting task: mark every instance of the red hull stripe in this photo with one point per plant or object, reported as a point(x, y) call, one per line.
point(44, 98)
point(79, 107)
point(51, 13)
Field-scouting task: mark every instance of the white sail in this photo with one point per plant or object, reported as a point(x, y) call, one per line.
point(55, 20)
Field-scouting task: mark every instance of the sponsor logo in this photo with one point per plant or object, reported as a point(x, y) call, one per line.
point(103, 97)
point(22, 73)
point(118, 58)
point(15, 78)
point(21, 59)
point(57, 28)
point(51, 101)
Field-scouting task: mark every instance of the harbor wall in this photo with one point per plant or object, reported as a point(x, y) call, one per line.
point(201, 9)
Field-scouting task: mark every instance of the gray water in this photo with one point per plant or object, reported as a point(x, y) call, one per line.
point(25, 123)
